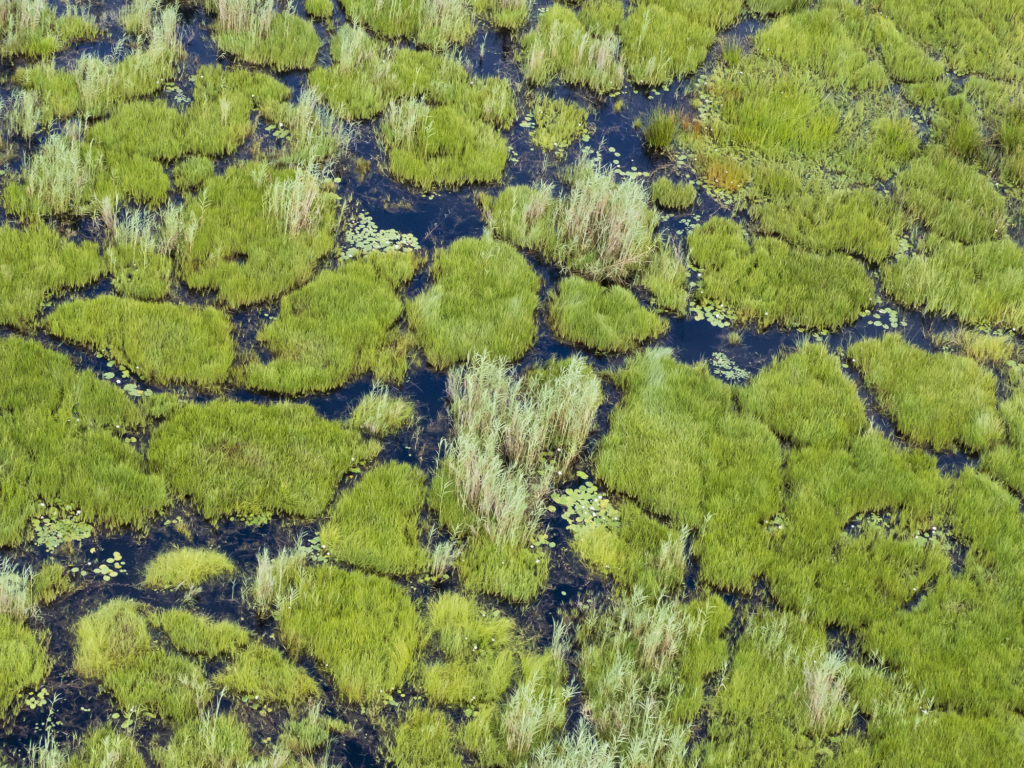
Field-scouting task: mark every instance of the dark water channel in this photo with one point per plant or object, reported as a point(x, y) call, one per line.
point(436, 220)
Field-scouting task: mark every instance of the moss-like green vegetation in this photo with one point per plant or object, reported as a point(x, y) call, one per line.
point(766, 281)
point(380, 413)
point(186, 567)
point(478, 650)
point(375, 525)
point(560, 46)
point(363, 629)
point(512, 438)
point(366, 76)
point(806, 398)
point(678, 445)
point(113, 645)
point(603, 319)
point(952, 199)
point(601, 229)
point(662, 40)
point(260, 232)
point(200, 635)
point(163, 343)
point(424, 740)
point(338, 327)
point(262, 671)
point(672, 195)
point(980, 283)
point(255, 33)
point(860, 222)
point(33, 31)
point(934, 398)
point(250, 460)
point(429, 23)
point(60, 433)
point(440, 146)
point(37, 264)
point(558, 123)
point(483, 299)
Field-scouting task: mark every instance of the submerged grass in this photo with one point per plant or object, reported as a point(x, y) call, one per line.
point(249, 460)
point(938, 399)
point(607, 320)
point(483, 299)
point(337, 328)
point(162, 343)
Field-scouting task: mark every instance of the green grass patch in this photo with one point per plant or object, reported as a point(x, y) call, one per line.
point(600, 229)
point(667, 277)
point(233, 458)
point(263, 672)
point(1006, 462)
point(678, 445)
point(363, 630)
point(938, 399)
point(559, 46)
point(192, 173)
point(766, 281)
point(260, 232)
point(200, 635)
point(163, 343)
point(34, 31)
point(337, 328)
point(103, 746)
point(113, 645)
point(253, 32)
point(37, 265)
point(24, 661)
point(603, 319)
point(61, 433)
point(322, 10)
point(209, 741)
point(674, 196)
point(981, 284)
point(952, 199)
point(558, 123)
point(511, 15)
point(424, 740)
point(483, 298)
point(429, 23)
point(381, 414)
point(375, 525)
point(49, 583)
point(186, 567)
point(805, 398)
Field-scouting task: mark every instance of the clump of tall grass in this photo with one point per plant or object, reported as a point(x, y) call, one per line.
point(437, 24)
point(424, 739)
point(139, 246)
point(660, 128)
point(675, 196)
point(16, 600)
point(985, 348)
point(274, 580)
point(21, 114)
point(667, 277)
point(661, 42)
point(255, 32)
point(186, 567)
point(31, 29)
point(561, 47)
point(505, 14)
point(379, 413)
point(603, 319)
point(317, 133)
point(600, 229)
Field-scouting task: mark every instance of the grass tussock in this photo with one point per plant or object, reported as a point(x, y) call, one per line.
point(186, 567)
point(263, 672)
point(680, 448)
point(199, 635)
point(24, 661)
point(600, 229)
point(483, 299)
point(424, 740)
point(362, 629)
point(33, 30)
point(559, 123)
point(559, 46)
point(37, 265)
point(767, 282)
point(211, 740)
point(667, 277)
point(984, 348)
point(606, 320)
point(162, 343)
point(375, 525)
point(233, 458)
point(1006, 462)
point(672, 195)
point(939, 399)
point(379, 413)
point(252, 31)
point(339, 327)
point(61, 433)
point(806, 398)
point(511, 15)
point(511, 439)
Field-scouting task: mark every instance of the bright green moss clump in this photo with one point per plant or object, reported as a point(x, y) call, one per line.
point(261, 232)
point(982, 284)
point(561, 47)
point(253, 460)
point(376, 524)
point(163, 343)
point(363, 629)
point(939, 399)
point(679, 447)
point(336, 328)
point(186, 567)
point(483, 298)
point(806, 398)
point(603, 319)
point(113, 645)
point(36, 264)
point(767, 282)
point(60, 432)
point(674, 196)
